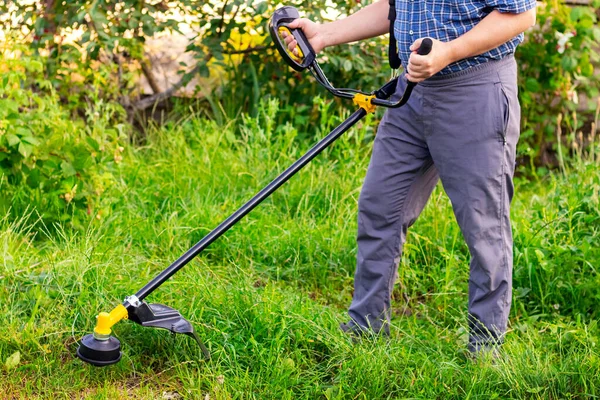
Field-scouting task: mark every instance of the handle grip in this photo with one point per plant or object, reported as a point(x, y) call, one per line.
point(426, 45)
point(423, 50)
point(278, 23)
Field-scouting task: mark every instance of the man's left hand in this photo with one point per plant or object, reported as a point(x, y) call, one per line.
point(420, 67)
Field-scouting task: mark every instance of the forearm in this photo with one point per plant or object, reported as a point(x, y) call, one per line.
point(368, 22)
point(494, 30)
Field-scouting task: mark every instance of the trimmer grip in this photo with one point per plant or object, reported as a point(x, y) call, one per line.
point(423, 50)
point(279, 22)
point(426, 45)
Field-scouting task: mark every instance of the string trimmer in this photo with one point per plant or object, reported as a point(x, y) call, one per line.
point(100, 348)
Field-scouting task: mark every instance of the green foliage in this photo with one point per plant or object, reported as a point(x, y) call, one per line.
point(49, 161)
point(107, 25)
point(231, 44)
point(90, 44)
point(556, 262)
point(231, 38)
point(556, 70)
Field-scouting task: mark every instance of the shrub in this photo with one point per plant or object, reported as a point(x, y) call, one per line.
point(556, 72)
point(50, 160)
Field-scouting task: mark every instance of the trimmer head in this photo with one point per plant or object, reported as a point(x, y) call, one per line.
point(101, 349)
point(99, 352)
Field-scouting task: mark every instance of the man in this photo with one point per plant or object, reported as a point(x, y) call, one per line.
point(461, 125)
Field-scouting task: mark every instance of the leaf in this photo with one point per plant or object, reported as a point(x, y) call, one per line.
point(203, 71)
point(9, 105)
point(148, 30)
point(67, 168)
point(31, 140)
point(93, 143)
point(521, 292)
point(36, 66)
point(21, 131)
point(85, 37)
point(261, 7)
point(347, 65)
point(539, 254)
point(587, 69)
point(25, 149)
point(576, 13)
point(12, 139)
point(569, 63)
point(585, 22)
point(532, 85)
point(596, 32)
point(13, 360)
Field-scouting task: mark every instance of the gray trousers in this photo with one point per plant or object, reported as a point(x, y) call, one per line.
point(460, 128)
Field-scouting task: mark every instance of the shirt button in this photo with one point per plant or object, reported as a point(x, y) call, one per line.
point(411, 32)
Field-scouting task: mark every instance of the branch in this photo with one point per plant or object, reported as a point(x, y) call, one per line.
point(246, 51)
point(220, 29)
point(147, 69)
point(157, 98)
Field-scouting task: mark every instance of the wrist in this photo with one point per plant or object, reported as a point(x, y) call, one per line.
point(327, 35)
point(455, 50)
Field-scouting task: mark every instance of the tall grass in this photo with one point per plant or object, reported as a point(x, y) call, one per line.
point(267, 297)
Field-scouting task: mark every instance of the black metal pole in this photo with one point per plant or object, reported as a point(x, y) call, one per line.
point(251, 204)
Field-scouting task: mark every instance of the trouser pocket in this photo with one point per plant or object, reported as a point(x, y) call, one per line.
point(503, 111)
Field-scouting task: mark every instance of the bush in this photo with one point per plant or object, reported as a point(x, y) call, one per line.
point(556, 71)
point(49, 160)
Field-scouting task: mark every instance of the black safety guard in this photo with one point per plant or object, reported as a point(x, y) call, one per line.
point(281, 19)
point(161, 316)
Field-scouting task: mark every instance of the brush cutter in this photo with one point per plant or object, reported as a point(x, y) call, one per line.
point(100, 348)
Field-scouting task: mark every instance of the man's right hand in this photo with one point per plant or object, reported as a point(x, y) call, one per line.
point(313, 32)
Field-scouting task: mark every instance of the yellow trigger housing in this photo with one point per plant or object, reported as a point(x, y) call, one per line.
point(364, 101)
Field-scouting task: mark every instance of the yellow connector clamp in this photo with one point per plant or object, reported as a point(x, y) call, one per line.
point(364, 101)
point(107, 320)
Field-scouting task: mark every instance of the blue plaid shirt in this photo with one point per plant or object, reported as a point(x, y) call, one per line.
point(445, 20)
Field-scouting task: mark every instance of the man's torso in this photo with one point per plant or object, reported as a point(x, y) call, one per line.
point(446, 20)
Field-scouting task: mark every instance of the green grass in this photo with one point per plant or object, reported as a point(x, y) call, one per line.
point(268, 296)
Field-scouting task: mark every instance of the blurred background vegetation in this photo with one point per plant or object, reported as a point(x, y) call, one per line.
point(71, 103)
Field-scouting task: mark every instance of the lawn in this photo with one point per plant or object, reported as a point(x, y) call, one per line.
point(267, 297)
